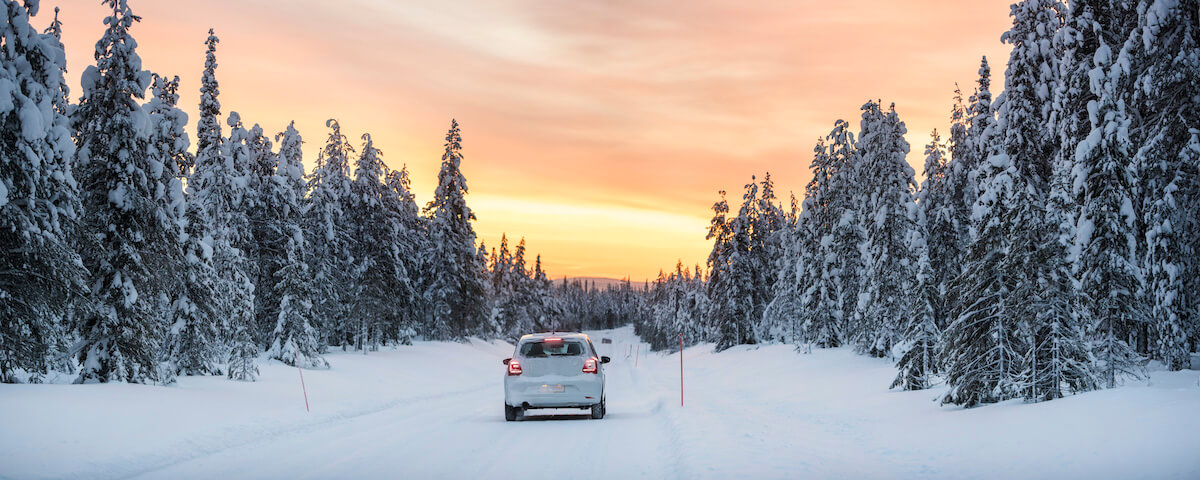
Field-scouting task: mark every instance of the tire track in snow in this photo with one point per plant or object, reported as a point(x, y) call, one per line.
point(218, 443)
point(658, 409)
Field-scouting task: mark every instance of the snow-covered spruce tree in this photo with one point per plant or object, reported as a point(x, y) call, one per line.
point(125, 243)
point(887, 186)
point(1109, 260)
point(380, 282)
point(190, 334)
point(818, 322)
point(295, 335)
point(785, 310)
point(1041, 300)
point(952, 211)
point(938, 210)
point(981, 120)
point(828, 274)
point(275, 207)
point(40, 273)
point(983, 346)
point(769, 228)
point(500, 287)
point(1162, 63)
point(295, 340)
point(719, 269)
point(217, 193)
point(848, 237)
point(455, 290)
point(1190, 229)
point(409, 239)
point(219, 183)
point(262, 246)
point(329, 235)
point(919, 334)
point(740, 298)
point(546, 306)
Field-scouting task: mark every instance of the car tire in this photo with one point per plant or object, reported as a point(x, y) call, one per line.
point(598, 410)
point(510, 413)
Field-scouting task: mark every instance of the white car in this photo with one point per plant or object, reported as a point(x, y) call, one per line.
point(554, 370)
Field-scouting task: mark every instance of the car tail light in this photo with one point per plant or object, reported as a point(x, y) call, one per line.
point(589, 366)
point(514, 368)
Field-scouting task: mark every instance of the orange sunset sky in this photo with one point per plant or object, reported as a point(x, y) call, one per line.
point(600, 130)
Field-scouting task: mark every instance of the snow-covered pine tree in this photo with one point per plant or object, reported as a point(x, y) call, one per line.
point(887, 186)
point(328, 234)
point(455, 290)
point(123, 233)
point(40, 272)
point(783, 313)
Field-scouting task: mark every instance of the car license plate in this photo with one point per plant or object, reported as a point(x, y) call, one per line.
point(553, 389)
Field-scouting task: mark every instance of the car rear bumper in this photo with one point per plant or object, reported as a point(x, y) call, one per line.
point(541, 392)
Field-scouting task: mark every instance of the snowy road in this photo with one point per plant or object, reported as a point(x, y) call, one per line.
point(434, 410)
point(461, 433)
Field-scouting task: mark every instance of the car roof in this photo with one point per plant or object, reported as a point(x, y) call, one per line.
point(564, 335)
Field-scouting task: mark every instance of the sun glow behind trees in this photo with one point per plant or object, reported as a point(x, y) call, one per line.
point(630, 120)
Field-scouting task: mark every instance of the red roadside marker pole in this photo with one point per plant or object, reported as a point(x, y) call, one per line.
point(681, 369)
point(298, 369)
point(637, 355)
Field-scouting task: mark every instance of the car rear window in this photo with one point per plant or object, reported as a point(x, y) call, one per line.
point(550, 348)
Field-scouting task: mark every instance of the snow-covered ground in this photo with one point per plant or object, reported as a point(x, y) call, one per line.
point(434, 410)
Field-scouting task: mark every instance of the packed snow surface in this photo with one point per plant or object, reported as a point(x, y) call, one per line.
point(434, 410)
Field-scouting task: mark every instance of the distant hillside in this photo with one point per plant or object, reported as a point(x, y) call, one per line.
point(600, 282)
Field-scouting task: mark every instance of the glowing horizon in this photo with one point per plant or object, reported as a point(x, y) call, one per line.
point(598, 131)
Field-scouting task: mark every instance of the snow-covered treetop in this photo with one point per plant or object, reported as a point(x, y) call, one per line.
point(449, 204)
point(399, 183)
point(113, 85)
point(169, 124)
point(291, 156)
point(208, 131)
